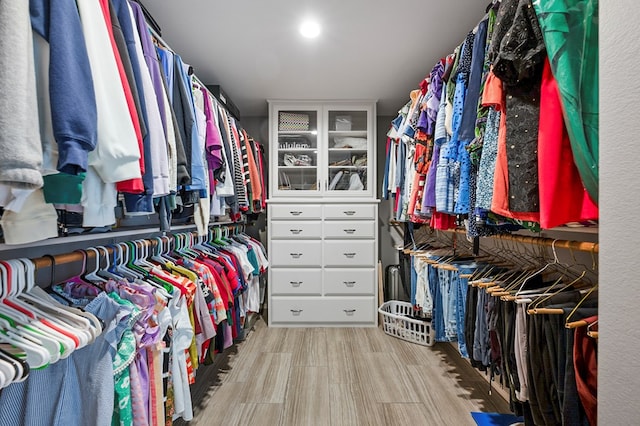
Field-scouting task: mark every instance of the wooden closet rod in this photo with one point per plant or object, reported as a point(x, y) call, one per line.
point(77, 256)
point(543, 241)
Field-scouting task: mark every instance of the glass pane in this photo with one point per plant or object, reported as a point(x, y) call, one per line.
point(348, 121)
point(297, 141)
point(297, 121)
point(298, 150)
point(297, 179)
point(346, 158)
point(347, 179)
point(347, 150)
point(297, 158)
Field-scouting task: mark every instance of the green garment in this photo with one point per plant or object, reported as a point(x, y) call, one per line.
point(125, 355)
point(62, 188)
point(123, 410)
point(570, 29)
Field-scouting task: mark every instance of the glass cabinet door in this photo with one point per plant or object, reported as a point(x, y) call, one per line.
point(348, 151)
point(297, 162)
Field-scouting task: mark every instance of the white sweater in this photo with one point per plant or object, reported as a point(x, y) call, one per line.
point(116, 157)
point(20, 146)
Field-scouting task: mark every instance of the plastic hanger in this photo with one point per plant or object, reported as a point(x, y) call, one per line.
point(34, 316)
point(5, 287)
point(19, 368)
point(67, 315)
point(36, 355)
point(67, 345)
point(47, 342)
point(74, 325)
point(26, 280)
point(93, 276)
point(109, 272)
point(97, 324)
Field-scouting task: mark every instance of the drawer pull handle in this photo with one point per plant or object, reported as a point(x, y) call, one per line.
point(349, 231)
point(350, 255)
point(296, 312)
point(295, 283)
point(349, 283)
point(295, 231)
point(296, 255)
point(295, 213)
point(349, 312)
point(349, 212)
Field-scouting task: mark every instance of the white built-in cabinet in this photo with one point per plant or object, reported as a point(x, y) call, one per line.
point(322, 214)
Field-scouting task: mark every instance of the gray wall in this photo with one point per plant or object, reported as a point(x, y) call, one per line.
point(619, 344)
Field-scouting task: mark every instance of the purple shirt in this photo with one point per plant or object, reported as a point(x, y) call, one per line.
point(151, 59)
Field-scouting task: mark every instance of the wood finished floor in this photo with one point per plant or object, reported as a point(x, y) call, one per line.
point(339, 377)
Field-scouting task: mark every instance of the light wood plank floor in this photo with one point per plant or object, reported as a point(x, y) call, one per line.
point(339, 377)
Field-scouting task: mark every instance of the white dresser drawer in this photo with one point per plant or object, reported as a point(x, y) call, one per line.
point(309, 230)
point(349, 253)
point(349, 281)
point(295, 211)
point(296, 253)
point(307, 282)
point(347, 310)
point(349, 211)
point(349, 229)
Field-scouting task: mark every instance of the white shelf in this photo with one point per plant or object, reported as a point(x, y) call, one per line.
point(297, 132)
point(346, 150)
point(348, 133)
point(298, 149)
point(348, 167)
point(297, 167)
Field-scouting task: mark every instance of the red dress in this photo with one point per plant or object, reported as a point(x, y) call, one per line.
point(563, 197)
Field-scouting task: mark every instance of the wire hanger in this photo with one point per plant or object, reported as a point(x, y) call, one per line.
point(567, 321)
point(555, 262)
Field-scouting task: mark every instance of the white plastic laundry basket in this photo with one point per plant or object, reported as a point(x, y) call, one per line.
point(398, 323)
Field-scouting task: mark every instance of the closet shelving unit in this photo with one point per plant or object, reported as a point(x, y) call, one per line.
point(323, 237)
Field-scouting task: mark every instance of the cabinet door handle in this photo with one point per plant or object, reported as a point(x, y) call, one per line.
point(350, 255)
point(296, 312)
point(296, 255)
point(349, 312)
point(295, 231)
point(349, 231)
point(349, 283)
point(295, 213)
point(295, 283)
point(349, 212)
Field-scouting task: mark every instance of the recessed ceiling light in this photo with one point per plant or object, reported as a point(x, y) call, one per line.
point(310, 29)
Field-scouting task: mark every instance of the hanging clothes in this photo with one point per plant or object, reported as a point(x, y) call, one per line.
point(162, 318)
point(570, 30)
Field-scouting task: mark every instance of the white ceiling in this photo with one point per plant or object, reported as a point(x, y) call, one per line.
point(368, 49)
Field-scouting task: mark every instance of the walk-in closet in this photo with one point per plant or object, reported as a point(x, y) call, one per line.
point(318, 213)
